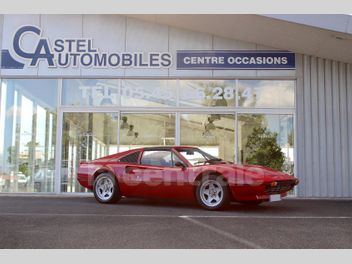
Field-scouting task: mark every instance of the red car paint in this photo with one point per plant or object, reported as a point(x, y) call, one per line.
point(246, 182)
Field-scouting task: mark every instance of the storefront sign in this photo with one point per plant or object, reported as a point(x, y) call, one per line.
point(80, 52)
point(234, 60)
point(29, 48)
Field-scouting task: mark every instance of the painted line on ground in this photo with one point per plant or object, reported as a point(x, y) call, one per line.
point(220, 232)
point(268, 217)
point(86, 215)
point(176, 216)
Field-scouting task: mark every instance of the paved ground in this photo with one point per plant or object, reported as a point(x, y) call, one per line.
point(80, 222)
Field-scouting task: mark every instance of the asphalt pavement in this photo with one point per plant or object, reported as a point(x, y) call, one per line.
point(81, 222)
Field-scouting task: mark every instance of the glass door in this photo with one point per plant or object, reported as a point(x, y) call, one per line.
point(85, 136)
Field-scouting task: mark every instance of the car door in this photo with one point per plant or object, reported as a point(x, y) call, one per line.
point(156, 176)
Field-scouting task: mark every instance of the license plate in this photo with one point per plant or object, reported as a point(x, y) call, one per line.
point(275, 198)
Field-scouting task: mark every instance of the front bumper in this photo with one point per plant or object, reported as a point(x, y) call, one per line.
point(263, 191)
point(277, 187)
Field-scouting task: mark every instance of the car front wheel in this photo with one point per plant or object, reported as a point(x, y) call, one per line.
point(212, 193)
point(106, 189)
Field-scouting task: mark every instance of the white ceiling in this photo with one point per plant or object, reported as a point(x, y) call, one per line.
point(266, 31)
point(340, 23)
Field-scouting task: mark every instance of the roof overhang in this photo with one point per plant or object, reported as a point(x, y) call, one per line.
point(266, 31)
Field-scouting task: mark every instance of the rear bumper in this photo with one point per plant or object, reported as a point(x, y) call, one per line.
point(84, 180)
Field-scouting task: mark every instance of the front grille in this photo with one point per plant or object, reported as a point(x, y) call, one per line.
point(281, 187)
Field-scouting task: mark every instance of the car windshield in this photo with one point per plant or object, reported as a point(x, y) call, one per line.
point(197, 156)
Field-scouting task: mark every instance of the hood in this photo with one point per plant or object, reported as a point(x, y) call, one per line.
point(255, 172)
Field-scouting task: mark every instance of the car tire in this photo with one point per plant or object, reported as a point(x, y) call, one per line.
point(212, 193)
point(106, 188)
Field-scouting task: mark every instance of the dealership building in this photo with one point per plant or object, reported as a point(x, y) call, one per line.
point(79, 87)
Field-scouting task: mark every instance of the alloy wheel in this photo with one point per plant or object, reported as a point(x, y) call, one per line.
point(211, 193)
point(104, 188)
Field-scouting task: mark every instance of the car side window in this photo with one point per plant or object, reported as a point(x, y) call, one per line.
point(157, 158)
point(131, 158)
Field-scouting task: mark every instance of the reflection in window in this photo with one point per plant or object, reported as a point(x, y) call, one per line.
point(266, 140)
point(157, 158)
point(214, 93)
point(85, 136)
point(193, 156)
point(213, 133)
point(192, 93)
point(148, 93)
point(28, 133)
point(266, 94)
point(140, 130)
point(90, 92)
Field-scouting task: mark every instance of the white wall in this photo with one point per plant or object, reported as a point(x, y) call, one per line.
point(324, 127)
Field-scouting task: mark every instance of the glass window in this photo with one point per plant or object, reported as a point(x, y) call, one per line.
point(90, 92)
point(27, 135)
point(197, 157)
point(213, 133)
point(157, 158)
point(267, 140)
point(148, 93)
point(142, 130)
point(85, 136)
point(131, 158)
point(214, 93)
point(266, 94)
point(193, 156)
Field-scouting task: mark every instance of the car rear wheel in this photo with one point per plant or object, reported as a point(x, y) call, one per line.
point(106, 189)
point(212, 193)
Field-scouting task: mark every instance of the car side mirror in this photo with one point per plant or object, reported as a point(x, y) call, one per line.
point(180, 164)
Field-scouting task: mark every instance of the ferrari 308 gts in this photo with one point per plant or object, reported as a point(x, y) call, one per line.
point(181, 172)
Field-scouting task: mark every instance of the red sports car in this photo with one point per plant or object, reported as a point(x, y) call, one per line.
point(181, 172)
